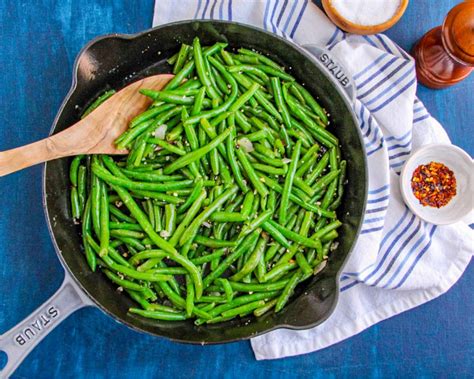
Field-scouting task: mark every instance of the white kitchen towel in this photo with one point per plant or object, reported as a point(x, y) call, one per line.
point(399, 261)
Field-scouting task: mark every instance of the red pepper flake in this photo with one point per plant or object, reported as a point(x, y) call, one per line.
point(433, 184)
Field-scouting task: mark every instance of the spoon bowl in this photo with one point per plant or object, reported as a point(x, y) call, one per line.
point(94, 134)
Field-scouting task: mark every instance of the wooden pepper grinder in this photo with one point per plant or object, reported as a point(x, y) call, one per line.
point(445, 55)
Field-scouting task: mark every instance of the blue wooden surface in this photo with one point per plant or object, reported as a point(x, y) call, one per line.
point(38, 45)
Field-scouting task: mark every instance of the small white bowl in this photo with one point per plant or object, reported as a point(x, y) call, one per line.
point(456, 160)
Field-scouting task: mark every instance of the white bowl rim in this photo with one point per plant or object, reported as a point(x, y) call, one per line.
point(405, 181)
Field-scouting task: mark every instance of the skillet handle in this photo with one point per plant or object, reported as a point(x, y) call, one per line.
point(335, 69)
point(22, 338)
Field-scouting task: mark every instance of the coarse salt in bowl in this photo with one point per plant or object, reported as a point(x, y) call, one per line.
point(364, 16)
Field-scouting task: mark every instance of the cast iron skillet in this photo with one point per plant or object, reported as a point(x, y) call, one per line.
point(112, 62)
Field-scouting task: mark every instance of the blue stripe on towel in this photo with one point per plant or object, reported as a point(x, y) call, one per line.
point(377, 73)
point(399, 139)
point(379, 83)
point(285, 3)
point(373, 64)
point(418, 119)
point(378, 190)
point(221, 10)
point(298, 20)
point(371, 230)
point(292, 11)
point(273, 15)
point(198, 8)
point(400, 250)
point(394, 96)
point(205, 9)
point(378, 200)
point(391, 86)
point(389, 249)
point(212, 9)
point(421, 253)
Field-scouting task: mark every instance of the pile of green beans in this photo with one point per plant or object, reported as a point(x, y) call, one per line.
point(227, 198)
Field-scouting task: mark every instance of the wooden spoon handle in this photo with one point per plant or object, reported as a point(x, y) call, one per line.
point(26, 156)
point(80, 138)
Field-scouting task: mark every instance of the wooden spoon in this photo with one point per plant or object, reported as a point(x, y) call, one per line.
point(95, 134)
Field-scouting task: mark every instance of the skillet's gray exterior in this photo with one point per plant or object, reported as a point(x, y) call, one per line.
point(115, 60)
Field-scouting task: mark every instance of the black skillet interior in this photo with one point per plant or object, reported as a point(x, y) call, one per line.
point(114, 61)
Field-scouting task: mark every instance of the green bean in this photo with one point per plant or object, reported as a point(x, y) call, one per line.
point(73, 169)
point(123, 282)
point(287, 233)
point(182, 55)
point(208, 258)
point(86, 228)
point(251, 174)
point(264, 309)
point(180, 76)
point(244, 97)
point(158, 315)
point(252, 260)
point(243, 308)
point(126, 233)
point(261, 58)
point(188, 218)
point(256, 222)
point(173, 199)
point(273, 72)
point(285, 196)
point(198, 101)
point(277, 94)
point(111, 257)
point(166, 146)
point(278, 271)
point(203, 74)
point(190, 84)
point(204, 215)
point(250, 69)
point(104, 222)
point(287, 291)
point(325, 180)
point(172, 60)
point(132, 185)
point(150, 114)
point(312, 103)
point(225, 285)
point(189, 296)
point(340, 186)
point(228, 217)
point(196, 154)
point(262, 100)
point(98, 102)
point(321, 165)
point(310, 207)
point(307, 161)
point(233, 161)
point(247, 204)
point(276, 234)
point(75, 205)
point(170, 219)
point(303, 264)
point(213, 243)
point(247, 244)
point(270, 169)
point(140, 299)
point(268, 160)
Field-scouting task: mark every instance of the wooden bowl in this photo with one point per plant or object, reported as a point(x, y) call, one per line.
point(351, 27)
